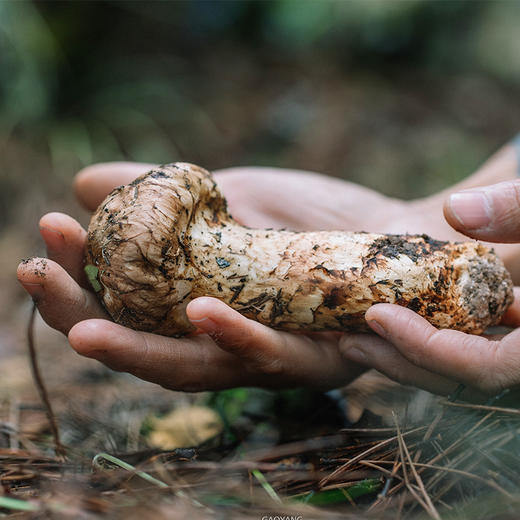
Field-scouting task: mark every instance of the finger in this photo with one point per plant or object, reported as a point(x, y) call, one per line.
point(189, 365)
point(61, 301)
point(489, 213)
point(65, 240)
point(299, 359)
point(512, 316)
point(253, 198)
point(377, 353)
point(93, 183)
point(472, 360)
point(254, 343)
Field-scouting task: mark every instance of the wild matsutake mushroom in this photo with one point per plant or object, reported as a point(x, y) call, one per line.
point(167, 238)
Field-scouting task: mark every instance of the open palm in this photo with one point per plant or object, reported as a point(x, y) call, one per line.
point(230, 350)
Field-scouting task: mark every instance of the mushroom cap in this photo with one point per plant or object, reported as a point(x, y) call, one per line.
point(136, 240)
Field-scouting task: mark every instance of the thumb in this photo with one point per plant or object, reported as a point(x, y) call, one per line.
point(490, 213)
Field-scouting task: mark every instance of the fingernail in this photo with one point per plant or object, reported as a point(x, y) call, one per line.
point(471, 208)
point(207, 325)
point(52, 230)
point(34, 289)
point(377, 328)
point(54, 238)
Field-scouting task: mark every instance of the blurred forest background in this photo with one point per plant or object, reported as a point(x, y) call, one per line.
point(403, 96)
point(406, 97)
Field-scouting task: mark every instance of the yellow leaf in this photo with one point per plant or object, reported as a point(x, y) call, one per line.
point(184, 428)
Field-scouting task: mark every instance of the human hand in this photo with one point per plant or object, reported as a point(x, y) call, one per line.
point(410, 350)
point(232, 351)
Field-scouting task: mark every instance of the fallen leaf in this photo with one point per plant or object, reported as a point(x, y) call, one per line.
point(184, 428)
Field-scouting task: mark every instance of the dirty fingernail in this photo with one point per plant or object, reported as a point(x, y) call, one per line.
point(471, 208)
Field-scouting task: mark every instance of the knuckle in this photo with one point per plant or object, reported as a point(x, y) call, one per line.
point(269, 366)
point(405, 325)
point(140, 365)
point(264, 361)
point(489, 373)
point(268, 359)
point(418, 356)
point(257, 350)
point(84, 304)
point(438, 337)
point(515, 191)
point(509, 208)
point(196, 373)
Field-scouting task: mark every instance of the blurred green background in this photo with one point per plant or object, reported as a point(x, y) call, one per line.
point(403, 96)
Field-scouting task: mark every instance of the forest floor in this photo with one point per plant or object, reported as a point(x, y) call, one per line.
point(243, 453)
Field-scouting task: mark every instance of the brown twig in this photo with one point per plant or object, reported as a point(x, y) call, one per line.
point(391, 476)
point(429, 433)
point(431, 508)
point(40, 385)
point(425, 502)
point(363, 455)
point(443, 453)
point(510, 411)
point(446, 469)
point(294, 448)
point(464, 454)
point(387, 472)
point(14, 421)
point(496, 443)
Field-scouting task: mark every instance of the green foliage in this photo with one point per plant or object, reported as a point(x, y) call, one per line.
point(97, 463)
point(235, 403)
point(406, 96)
point(17, 504)
point(30, 57)
point(92, 275)
point(341, 495)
